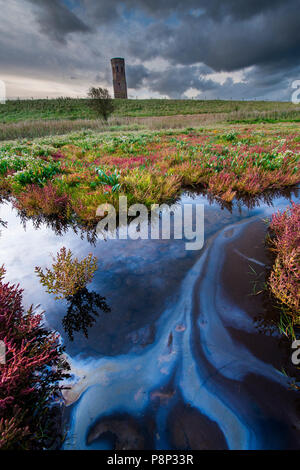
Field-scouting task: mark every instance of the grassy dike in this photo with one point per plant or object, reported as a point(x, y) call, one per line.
point(68, 108)
point(37, 118)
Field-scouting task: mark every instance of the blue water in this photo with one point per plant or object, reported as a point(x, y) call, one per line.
point(163, 369)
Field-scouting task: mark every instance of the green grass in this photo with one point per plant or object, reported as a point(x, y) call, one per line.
point(73, 109)
point(159, 107)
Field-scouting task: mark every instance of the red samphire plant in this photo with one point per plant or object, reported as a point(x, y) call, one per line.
point(284, 240)
point(30, 376)
point(46, 200)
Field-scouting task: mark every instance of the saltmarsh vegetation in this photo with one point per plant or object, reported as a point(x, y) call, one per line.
point(29, 380)
point(69, 176)
point(284, 281)
point(68, 276)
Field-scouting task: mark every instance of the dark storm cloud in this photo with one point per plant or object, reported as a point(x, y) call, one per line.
point(56, 20)
point(217, 9)
point(227, 36)
point(136, 75)
point(236, 8)
point(258, 83)
point(101, 11)
point(259, 38)
point(173, 82)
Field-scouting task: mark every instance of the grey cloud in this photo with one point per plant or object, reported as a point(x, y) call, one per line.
point(229, 35)
point(173, 82)
point(257, 84)
point(224, 43)
point(259, 37)
point(136, 75)
point(109, 11)
point(101, 11)
point(56, 20)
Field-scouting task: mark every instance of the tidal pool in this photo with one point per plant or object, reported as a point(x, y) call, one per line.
point(184, 359)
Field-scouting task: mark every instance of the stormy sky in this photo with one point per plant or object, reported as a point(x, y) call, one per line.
point(207, 49)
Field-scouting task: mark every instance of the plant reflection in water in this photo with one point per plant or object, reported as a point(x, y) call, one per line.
point(83, 310)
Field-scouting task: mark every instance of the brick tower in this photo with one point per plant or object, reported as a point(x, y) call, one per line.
point(119, 77)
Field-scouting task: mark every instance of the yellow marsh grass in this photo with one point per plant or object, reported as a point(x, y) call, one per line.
point(41, 127)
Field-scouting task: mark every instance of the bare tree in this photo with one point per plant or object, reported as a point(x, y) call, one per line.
point(101, 101)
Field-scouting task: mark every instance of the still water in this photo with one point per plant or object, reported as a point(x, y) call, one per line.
point(184, 358)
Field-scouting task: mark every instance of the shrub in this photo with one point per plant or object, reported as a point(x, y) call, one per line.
point(14, 162)
point(69, 275)
point(230, 136)
point(149, 188)
point(284, 241)
point(101, 101)
point(109, 179)
point(38, 174)
point(29, 378)
point(46, 200)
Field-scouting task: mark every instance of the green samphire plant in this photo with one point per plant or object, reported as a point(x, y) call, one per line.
point(68, 276)
point(109, 179)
